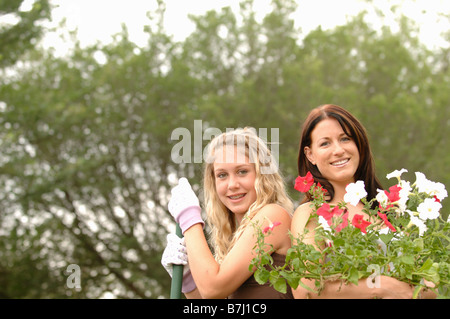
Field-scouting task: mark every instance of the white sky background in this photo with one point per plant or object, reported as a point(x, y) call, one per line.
point(98, 20)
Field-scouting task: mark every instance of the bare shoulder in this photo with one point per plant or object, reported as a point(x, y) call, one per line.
point(301, 218)
point(275, 213)
point(303, 211)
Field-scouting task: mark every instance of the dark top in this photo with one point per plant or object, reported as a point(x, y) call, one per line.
point(250, 289)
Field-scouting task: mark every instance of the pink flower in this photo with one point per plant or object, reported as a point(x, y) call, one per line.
point(303, 184)
point(271, 227)
point(359, 222)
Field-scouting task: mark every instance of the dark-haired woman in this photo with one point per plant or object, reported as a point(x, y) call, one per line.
point(334, 147)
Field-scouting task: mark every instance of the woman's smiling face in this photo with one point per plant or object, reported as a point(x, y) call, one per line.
point(333, 152)
point(235, 181)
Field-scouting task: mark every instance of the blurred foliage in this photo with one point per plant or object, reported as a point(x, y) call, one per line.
point(23, 32)
point(86, 143)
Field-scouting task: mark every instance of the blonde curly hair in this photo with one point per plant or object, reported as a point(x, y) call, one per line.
point(269, 186)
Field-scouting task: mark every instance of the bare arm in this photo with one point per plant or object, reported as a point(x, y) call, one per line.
point(219, 281)
point(388, 288)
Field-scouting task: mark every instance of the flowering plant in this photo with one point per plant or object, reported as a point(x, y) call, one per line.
point(400, 233)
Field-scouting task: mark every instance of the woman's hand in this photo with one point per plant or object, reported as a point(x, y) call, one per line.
point(175, 253)
point(184, 205)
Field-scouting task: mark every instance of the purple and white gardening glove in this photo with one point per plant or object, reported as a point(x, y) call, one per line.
point(184, 205)
point(175, 253)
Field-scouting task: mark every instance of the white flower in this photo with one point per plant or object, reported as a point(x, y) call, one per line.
point(431, 188)
point(422, 183)
point(396, 173)
point(384, 231)
point(429, 209)
point(418, 222)
point(354, 193)
point(382, 197)
point(438, 190)
point(404, 195)
point(406, 188)
point(323, 222)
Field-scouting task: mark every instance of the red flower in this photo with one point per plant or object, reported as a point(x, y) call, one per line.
point(344, 223)
point(386, 221)
point(271, 227)
point(436, 199)
point(303, 184)
point(326, 212)
point(394, 194)
point(359, 222)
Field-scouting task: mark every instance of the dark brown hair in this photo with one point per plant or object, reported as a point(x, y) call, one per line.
point(354, 129)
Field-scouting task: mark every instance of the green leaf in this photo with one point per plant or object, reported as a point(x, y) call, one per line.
point(407, 259)
point(266, 259)
point(261, 276)
point(426, 265)
point(353, 276)
point(280, 285)
point(418, 242)
point(296, 264)
point(417, 291)
point(386, 238)
point(339, 242)
point(307, 287)
point(292, 278)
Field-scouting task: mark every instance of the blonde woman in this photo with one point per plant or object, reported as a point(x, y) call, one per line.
point(242, 187)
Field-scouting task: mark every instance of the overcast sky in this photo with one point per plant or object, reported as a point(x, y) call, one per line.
point(99, 19)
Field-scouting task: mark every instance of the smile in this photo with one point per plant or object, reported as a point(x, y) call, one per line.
point(236, 197)
point(341, 162)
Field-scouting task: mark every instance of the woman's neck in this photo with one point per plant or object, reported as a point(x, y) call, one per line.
point(339, 192)
point(238, 218)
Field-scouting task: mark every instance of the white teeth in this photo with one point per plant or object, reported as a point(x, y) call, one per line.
point(340, 162)
point(237, 196)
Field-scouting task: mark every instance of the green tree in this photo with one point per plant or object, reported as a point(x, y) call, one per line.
point(85, 169)
point(24, 31)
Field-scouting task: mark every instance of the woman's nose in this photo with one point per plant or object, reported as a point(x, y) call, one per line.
point(338, 149)
point(233, 182)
